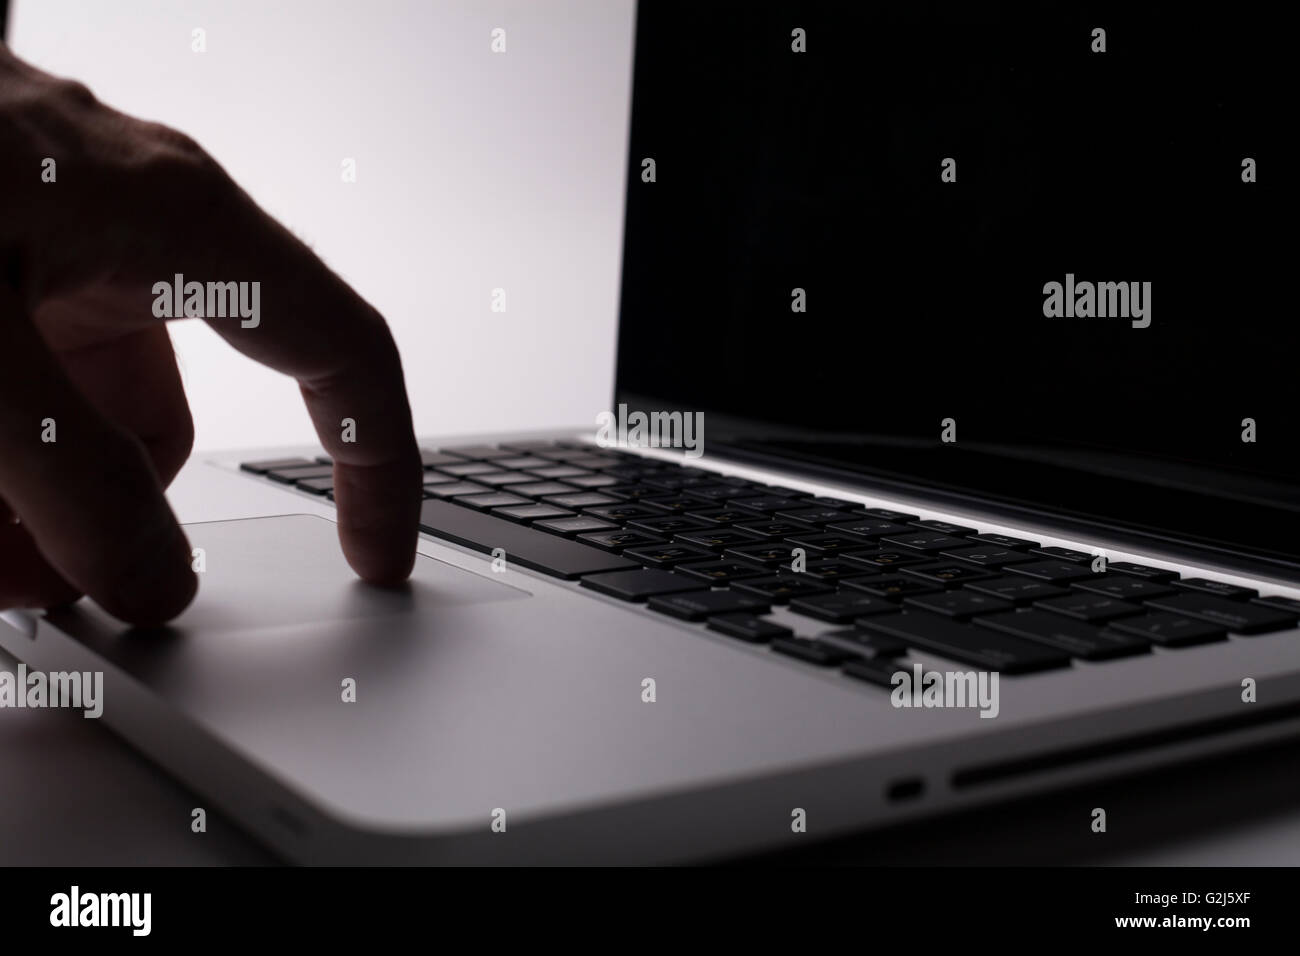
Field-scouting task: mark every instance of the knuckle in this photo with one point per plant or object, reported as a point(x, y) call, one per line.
point(180, 142)
point(76, 92)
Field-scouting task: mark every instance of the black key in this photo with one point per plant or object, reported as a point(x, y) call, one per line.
point(769, 555)
point(748, 627)
point(466, 469)
point(725, 516)
point(618, 540)
point(631, 473)
point(927, 542)
point(944, 527)
point(866, 643)
point(710, 492)
point(667, 555)
point(1124, 588)
point(536, 489)
point(829, 569)
point(763, 503)
point(316, 486)
point(287, 476)
point(673, 503)
point(623, 511)
point(719, 538)
point(841, 608)
point(275, 464)
point(824, 543)
point(697, 605)
point(1065, 554)
point(575, 450)
point(895, 587)
point(782, 492)
point(812, 651)
point(902, 517)
point(554, 454)
point(1279, 602)
point(882, 559)
point(526, 513)
point(874, 670)
point(588, 461)
point(961, 605)
point(1094, 608)
point(694, 478)
point(455, 489)
point(572, 527)
point(1218, 588)
point(966, 643)
point(1169, 630)
point(777, 529)
point(1238, 617)
point(488, 502)
point(579, 499)
point(1005, 541)
point(869, 528)
point(667, 481)
point(631, 492)
point(988, 556)
point(1053, 572)
point(559, 471)
point(825, 502)
point(639, 584)
point(1074, 638)
point(1017, 590)
point(436, 478)
point(779, 588)
point(947, 575)
point(529, 447)
point(523, 546)
point(668, 525)
point(722, 572)
point(479, 452)
point(433, 459)
point(592, 481)
point(500, 479)
point(815, 516)
point(1141, 571)
point(527, 461)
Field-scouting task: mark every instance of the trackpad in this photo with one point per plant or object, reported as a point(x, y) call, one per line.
point(261, 573)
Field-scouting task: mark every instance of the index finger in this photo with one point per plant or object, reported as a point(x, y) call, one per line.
point(305, 321)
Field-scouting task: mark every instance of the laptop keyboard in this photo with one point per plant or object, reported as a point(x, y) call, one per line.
point(719, 551)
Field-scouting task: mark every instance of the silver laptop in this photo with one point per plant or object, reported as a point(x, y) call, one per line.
point(907, 499)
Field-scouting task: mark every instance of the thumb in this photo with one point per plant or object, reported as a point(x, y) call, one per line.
point(84, 488)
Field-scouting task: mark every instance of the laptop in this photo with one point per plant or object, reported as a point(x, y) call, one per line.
point(951, 459)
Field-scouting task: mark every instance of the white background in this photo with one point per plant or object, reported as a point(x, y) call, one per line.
point(475, 170)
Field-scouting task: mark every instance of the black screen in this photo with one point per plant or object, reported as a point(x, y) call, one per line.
point(824, 170)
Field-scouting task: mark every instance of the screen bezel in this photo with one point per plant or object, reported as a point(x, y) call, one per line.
point(750, 440)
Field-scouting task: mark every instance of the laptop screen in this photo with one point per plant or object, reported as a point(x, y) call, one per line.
point(1006, 251)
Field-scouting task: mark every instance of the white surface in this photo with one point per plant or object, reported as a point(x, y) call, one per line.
point(475, 171)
